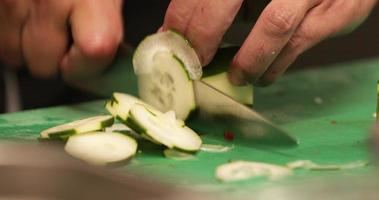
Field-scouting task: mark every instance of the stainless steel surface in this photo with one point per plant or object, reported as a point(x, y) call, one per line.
point(34, 172)
point(242, 120)
point(375, 142)
point(362, 187)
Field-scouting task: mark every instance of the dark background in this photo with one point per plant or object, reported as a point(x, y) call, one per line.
point(143, 17)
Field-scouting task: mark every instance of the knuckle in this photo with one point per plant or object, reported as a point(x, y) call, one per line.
point(295, 44)
point(100, 45)
point(279, 22)
point(299, 41)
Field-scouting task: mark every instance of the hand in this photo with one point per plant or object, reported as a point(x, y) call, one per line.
point(284, 30)
point(76, 37)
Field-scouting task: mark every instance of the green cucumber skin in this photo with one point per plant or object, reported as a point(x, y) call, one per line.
point(182, 64)
point(182, 36)
point(134, 125)
point(114, 99)
point(120, 119)
point(64, 135)
point(61, 134)
point(107, 123)
point(139, 129)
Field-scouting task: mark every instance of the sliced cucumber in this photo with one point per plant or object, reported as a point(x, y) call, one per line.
point(168, 86)
point(112, 107)
point(214, 148)
point(166, 65)
point(80, 126)
point(242, 170)
point(215, 74)
point(177, 155)
point(161, 129)
point(120, 105)
point(243, 94)
point(101, 148)
point(144, 59)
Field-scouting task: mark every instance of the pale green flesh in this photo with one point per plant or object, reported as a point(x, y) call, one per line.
point(101, 148)
point(168, 41)
point(171, 135)
point(80, 126)
point(120, 106)
point(177, 155)
point(243, 94)
point(242, 170)
point(167, 87)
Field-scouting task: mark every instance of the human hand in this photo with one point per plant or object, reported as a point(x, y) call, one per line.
point(284, 30)
point(79, 38)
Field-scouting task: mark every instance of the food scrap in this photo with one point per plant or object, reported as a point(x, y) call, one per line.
point(177, 155)
point(243, 170)
point(307, 164)
point(214, 148)
point(228, 135)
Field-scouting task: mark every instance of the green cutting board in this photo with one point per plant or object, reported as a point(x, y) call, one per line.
point(329, 110)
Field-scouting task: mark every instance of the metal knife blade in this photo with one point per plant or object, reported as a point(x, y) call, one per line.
point(217, 107)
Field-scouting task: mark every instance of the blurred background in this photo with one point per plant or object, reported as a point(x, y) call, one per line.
point(143, 17)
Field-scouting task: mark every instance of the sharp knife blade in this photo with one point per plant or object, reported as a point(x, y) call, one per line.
point(217, 107)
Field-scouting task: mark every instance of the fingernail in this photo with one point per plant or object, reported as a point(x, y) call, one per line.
point(237, 77)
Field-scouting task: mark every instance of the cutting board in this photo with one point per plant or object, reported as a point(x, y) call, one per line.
point(330, 111)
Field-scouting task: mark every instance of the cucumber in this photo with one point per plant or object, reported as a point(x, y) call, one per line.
point(77, 127)
point(243, 170)
point(120, 105)
point(162, 130)
point(144, 58)
point(101, 148)
point(215, 74)
point(168, 86)
point(178, 155)
point(164, 63)
point(243, 94)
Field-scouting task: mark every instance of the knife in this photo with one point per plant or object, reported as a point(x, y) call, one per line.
point(215, 107)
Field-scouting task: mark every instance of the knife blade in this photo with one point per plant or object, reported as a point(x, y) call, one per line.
point(215, 107)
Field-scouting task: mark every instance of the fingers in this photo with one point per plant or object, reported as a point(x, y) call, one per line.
point(97, 32)
point(269, 36)
point(45, 38)
point(203, 22)
point(12, 17)
point(320, 23)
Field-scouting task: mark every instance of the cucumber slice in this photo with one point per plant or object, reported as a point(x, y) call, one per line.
point(243, 94)
point(168, 86)
point(112, 107)
point(76, 127)
point(163, 130)
point(144, 58)
point(215, 74)
point(214, 148)
point(177, 155)
point(243, 170)
point(120, 105)
point(101, 148)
